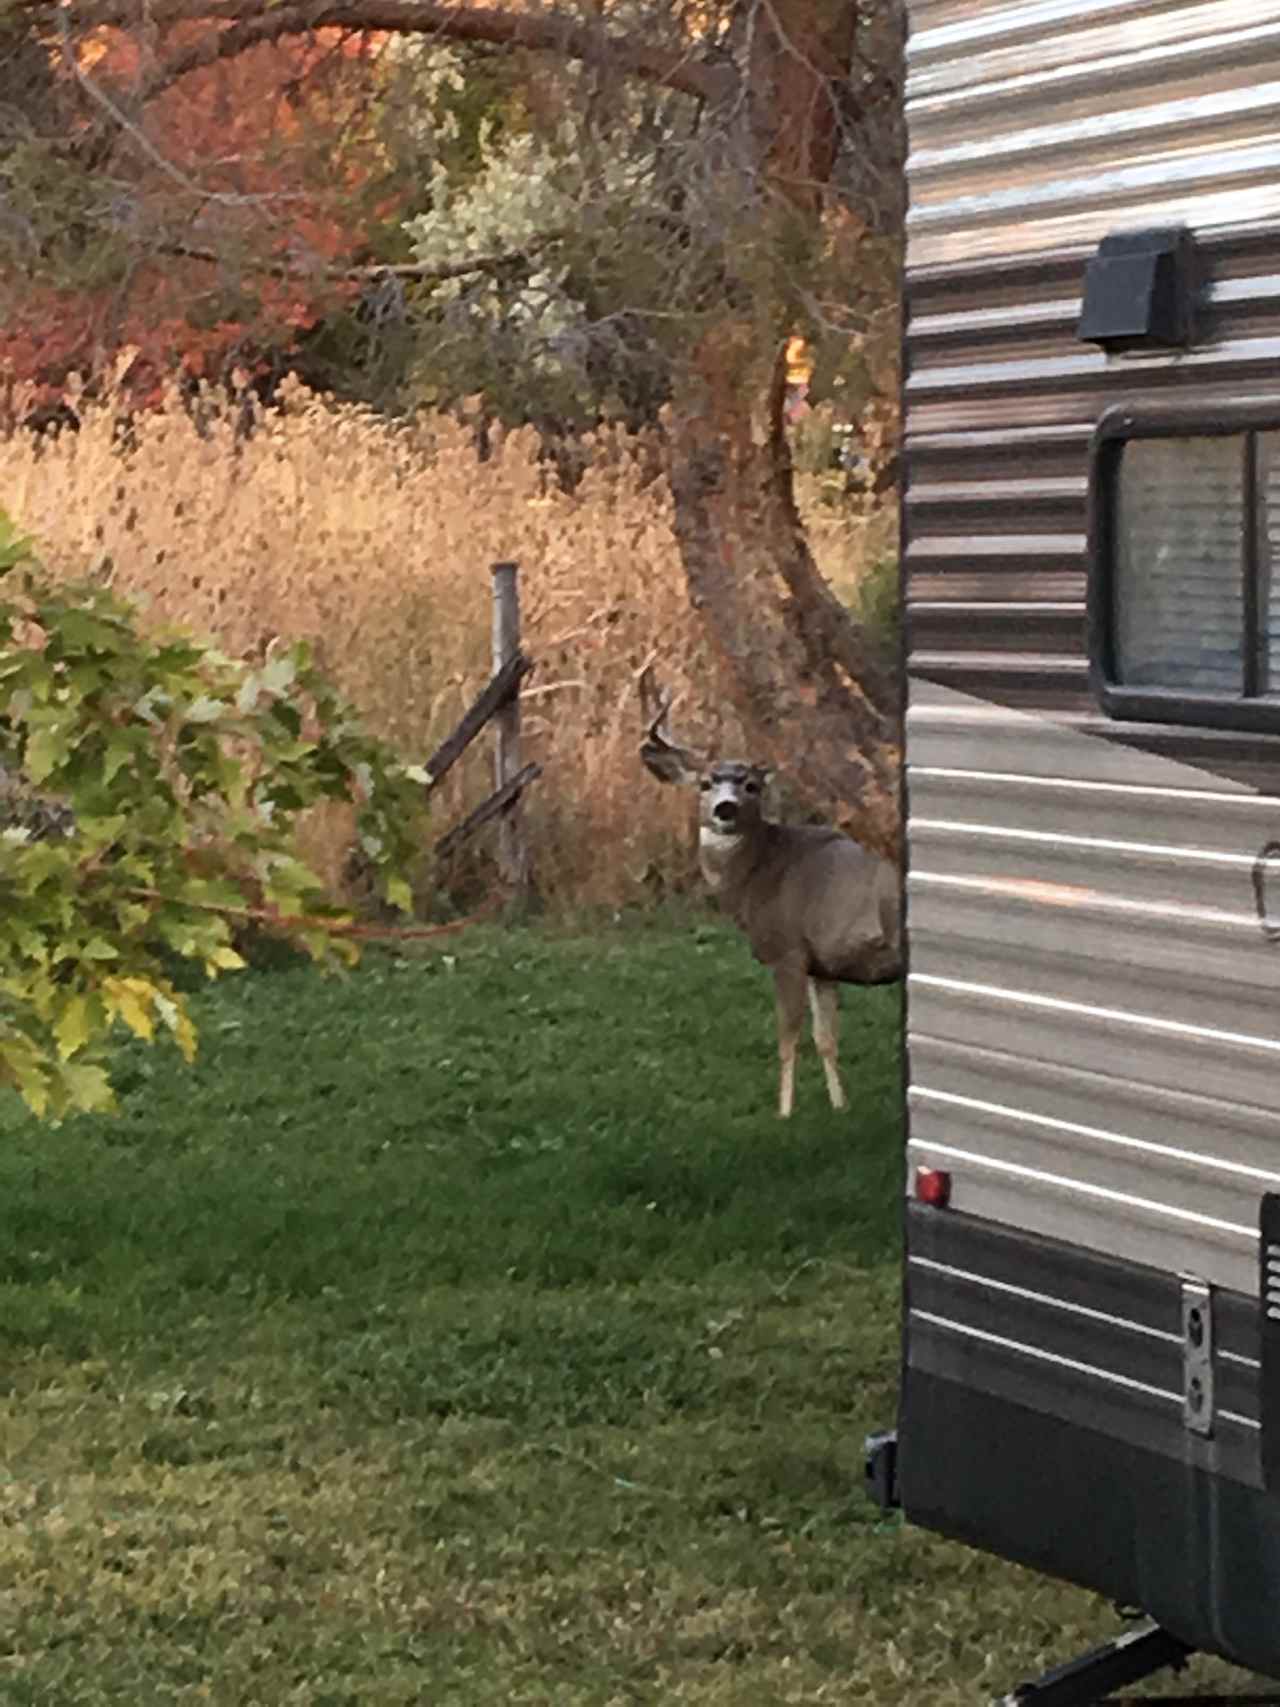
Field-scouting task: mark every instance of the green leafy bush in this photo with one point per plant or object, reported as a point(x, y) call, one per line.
point(149, 791)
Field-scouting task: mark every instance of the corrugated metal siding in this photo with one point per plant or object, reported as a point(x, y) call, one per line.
point(1035, 126)
point(1094, 1011)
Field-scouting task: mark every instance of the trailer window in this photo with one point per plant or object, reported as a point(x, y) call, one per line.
point(1184, 618)
point(1179, 599)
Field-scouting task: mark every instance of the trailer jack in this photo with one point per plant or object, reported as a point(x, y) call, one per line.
point(1098, 1674)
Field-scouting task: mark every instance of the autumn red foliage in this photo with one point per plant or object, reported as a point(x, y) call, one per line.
point(245, 194)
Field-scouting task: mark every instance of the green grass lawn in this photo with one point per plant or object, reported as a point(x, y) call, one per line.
point(469, 1331)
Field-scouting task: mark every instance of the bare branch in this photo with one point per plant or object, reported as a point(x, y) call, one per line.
point(122, 121)
point(249, 25)
point(412, 272)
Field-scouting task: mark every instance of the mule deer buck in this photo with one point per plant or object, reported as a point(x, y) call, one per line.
point(818, 909)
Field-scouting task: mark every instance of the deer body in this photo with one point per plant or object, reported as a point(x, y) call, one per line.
point(818, 909)
point(773, 881)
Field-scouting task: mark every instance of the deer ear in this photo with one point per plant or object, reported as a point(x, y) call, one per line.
point(668, 762)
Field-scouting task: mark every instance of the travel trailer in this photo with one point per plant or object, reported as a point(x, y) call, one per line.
point(1091, 552)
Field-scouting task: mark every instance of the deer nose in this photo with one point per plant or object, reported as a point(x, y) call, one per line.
point(726, 811)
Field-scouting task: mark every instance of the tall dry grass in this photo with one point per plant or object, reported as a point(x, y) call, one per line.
point(375, 541)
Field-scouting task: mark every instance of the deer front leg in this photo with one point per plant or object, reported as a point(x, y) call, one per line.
point(824, 1003)
point(788, 987)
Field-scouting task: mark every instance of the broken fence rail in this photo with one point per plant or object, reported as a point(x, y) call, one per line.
point(502, 687)
point(500, 801)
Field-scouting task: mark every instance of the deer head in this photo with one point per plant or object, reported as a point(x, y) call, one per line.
point(732, 790)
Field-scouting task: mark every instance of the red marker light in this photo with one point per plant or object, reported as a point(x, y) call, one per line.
point(933, 1186)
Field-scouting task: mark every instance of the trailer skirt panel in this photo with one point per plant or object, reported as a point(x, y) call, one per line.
point(1044, 1418)
point(1199, 1553)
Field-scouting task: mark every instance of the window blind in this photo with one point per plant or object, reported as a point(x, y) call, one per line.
point(1178, 620)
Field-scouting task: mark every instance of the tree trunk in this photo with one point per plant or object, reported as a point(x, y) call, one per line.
point(797, 666)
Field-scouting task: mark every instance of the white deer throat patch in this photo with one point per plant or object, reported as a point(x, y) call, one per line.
point(715, 849)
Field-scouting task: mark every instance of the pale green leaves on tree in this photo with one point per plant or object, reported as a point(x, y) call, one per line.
point(150, 789)
point(552, 251)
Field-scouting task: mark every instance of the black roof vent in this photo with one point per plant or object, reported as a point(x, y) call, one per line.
point(1140, 291)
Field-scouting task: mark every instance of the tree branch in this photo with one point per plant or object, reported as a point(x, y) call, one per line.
point(412, 272)
point(183, 180)
point(815, 613)
point(249, 25)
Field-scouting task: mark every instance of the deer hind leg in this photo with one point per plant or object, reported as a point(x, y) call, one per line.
point(789, 987)
point(824, 1003)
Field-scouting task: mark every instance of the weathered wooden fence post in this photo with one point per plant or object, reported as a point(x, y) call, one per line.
point(513, 853)
point(497, 702)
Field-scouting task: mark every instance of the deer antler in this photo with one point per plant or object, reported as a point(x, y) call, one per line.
point(655, 702)
point(663, 756)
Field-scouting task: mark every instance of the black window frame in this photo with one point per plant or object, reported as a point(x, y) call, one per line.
point(1122, 425)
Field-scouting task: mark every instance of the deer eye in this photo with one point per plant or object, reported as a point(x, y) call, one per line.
point(753, 788)
point(704, 785)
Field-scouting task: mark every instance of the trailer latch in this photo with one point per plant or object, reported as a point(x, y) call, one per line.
point(1197, 1355)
